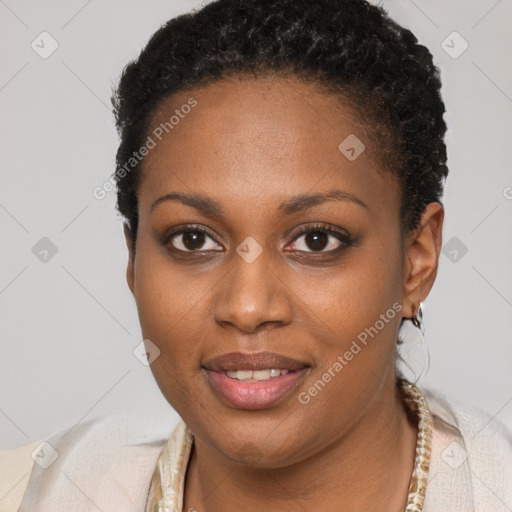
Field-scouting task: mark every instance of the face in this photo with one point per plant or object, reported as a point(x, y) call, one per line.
point(273, 250)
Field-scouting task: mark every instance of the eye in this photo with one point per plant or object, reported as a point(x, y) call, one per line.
point(193, 239)
point(320, 238)
point(317, 238)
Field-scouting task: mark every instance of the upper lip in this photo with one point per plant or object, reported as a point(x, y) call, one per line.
point(253, 361)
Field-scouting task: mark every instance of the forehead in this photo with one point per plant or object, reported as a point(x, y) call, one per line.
point(249, 141)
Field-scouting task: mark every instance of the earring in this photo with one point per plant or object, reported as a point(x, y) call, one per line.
point(417, 317)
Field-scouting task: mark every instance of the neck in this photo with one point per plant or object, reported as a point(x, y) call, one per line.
point(349, 471)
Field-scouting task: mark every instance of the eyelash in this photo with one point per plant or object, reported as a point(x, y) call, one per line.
point(341, 235)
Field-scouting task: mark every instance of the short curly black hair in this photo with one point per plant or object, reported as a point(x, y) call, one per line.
point(347, 47)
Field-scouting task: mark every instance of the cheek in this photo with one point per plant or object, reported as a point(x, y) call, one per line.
point(354, 295)
point(171, 312)
point(355, 321)
point(170, 304)
point(163, 293)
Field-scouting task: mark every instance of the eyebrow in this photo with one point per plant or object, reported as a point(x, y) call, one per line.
point(292, 205)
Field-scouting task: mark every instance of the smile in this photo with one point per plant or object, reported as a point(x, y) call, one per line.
point(256, 389)
point(256, 375)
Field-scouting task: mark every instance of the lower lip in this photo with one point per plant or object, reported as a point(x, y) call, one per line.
point(254, 395)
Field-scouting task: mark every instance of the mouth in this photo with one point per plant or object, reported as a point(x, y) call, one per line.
point(254, 380)
point(253, 361)
point(256, 375)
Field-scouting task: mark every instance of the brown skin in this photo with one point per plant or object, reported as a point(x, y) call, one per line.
point(250, 145)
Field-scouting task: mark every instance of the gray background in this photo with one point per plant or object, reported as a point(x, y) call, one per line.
point(69, 325)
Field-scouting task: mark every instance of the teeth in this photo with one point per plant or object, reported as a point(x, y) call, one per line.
point(261, 375)
point(256, 374)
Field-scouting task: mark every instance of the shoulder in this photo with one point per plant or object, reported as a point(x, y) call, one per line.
point(15, 468)
point(112, 457)
point(478, 428)
point(471, 460)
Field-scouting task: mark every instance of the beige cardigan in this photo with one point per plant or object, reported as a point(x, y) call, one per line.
point(107, 464)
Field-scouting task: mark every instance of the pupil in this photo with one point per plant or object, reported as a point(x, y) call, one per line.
point(193, 240)
point(319, 240)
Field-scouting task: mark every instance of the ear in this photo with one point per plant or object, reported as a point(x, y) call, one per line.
point(422, 251)
point(130, 269)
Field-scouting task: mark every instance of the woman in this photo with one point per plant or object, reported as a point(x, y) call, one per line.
point(280, 170)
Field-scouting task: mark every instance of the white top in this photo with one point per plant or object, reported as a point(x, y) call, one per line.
point(108, 463)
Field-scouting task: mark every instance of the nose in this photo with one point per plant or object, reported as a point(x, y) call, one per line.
point(251, 295)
